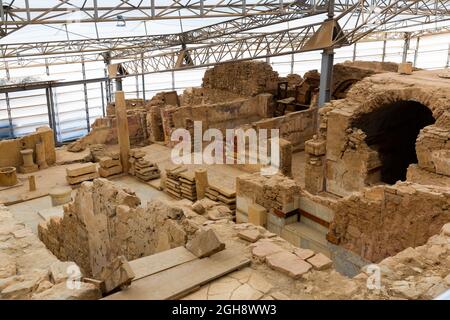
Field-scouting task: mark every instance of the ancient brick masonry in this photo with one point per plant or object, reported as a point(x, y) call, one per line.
point(383, 220)
point(243, 78)
point(104, 222)
point(354, 158)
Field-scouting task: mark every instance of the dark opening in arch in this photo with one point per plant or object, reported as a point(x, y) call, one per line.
point(392, 130)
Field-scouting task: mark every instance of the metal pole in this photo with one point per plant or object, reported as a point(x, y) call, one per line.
point(383, 57)
point(51, 111)
point(8, 109)
point(326, 71)
point(406, 47)
point(103, 99)
point(8, 75)
point(448, 58)
point(86, 99)
point(292, 63)
point(137, 86)
point(173, 80)
point(109, 90)
point(354, 52)
point(143, 78)
point(47, 69)
point(416, 52)
point(107, 87)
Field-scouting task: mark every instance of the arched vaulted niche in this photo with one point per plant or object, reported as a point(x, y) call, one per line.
point(392, 130)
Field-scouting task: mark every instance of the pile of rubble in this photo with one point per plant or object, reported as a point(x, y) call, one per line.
point(223, 195)
point(141, 168)
point(294, 263)
point(29, 271)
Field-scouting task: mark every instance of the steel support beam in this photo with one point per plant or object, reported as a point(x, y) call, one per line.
point(86, 99)
point(8, 110)
point(326, 70)
point(448, 57)
point(416, 51)
point(326, 76)
point(406, 43)
point(51, 112)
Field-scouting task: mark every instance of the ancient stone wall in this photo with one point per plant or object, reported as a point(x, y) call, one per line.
point(201, 96)
point(381, 221)
point(10, 149)
point(273, 193)
point(104, 131)
point(296, 127)
point(29, 271)
point(243, 78)
point(104, 221)
point(353, 160)
point(225, 115)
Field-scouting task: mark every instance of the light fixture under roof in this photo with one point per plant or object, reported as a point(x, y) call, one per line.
point(121, 21)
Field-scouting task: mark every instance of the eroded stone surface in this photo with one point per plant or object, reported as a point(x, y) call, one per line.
point(262, 249)
point(250, 235)
point(303, 253)
point(205, 243)
point(288, 263)
point(320, 262)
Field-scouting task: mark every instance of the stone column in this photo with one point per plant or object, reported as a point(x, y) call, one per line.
point(201, 182)
point(315, 165)
point(28, 163)
point(122, 130)
point(27, 156)
point(32, 183)
point(40, 156)
point(285, 157)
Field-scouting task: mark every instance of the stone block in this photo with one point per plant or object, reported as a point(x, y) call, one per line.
point(205, 243)
point(303, 254)
point(441, 161)
point(264, 248)
point(315, 147)
point(107, 172)
point(316, 209)
point(320, 262)
point(257, 215)
point(81, 169)
point(108, 162)
point(405, 68)
point(117, 274)
point(79, 179)
point(251, 235)
point(288, 263)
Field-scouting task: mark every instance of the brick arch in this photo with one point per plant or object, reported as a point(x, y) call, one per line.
point(391, 131)
point(437, 104)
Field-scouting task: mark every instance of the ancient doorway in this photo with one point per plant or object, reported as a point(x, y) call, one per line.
point(392, 130)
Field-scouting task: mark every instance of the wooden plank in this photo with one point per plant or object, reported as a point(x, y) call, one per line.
point(305, 214)
point(161, 261)
point(175, 283)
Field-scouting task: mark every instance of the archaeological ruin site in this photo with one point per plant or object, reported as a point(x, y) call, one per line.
point(266, 180)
